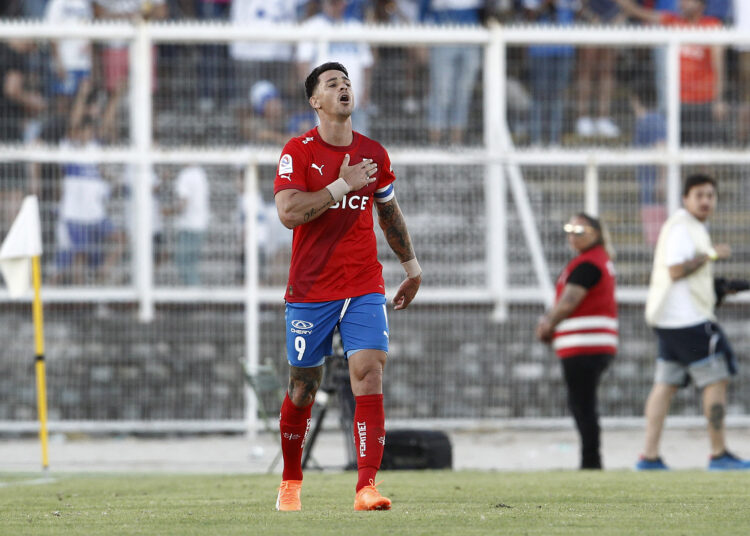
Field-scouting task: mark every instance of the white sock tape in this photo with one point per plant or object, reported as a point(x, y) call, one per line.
point(338, 188)
point(412, 268)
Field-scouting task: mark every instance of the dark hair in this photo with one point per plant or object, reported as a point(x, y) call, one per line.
point(697, 180)
point(312, 79)
point(604, 239)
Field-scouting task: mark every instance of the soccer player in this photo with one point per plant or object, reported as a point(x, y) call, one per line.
point(327, 182)
point(680, 308)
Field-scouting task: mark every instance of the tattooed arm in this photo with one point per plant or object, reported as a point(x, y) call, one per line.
point(392, 223)
point(687, 268)
point(571, 297)
point(296, 207)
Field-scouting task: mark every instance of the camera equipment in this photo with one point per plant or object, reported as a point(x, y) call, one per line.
point(724, 286)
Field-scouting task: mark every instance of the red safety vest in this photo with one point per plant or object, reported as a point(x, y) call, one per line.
point(592, 327)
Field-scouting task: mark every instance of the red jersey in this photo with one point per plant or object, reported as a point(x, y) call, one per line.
point(697, 69)
point(334, 256)
point(592, 327)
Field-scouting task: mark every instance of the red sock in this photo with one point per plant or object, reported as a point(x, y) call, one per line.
point(369, 437)
point(294, 423)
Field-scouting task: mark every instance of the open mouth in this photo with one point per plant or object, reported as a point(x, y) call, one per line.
point(344, 98)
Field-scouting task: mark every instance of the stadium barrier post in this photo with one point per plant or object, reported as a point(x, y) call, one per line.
point(252, 329)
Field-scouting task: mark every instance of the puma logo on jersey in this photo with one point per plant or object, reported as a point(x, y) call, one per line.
point(319, 168)
point(307, 140)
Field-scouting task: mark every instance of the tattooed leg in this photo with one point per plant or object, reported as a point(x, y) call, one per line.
point(303, 384)
point(716, 417)
point(714, 404)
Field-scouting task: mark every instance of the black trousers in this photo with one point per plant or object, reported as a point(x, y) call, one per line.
point(582, 374)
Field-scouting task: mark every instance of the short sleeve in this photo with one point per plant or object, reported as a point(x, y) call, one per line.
point(680, 247)
point(290, 173)
point(386, 175)
point(384, 191)
point(586, 275)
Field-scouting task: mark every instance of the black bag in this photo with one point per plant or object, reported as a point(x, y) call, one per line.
point(417, 449)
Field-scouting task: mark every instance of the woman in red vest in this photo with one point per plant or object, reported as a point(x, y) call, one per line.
point(582, 327)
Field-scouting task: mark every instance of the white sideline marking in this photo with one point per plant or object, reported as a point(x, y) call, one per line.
point(33, 482)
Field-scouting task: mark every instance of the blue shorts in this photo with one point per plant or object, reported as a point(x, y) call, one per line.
point(69, 85)
point(88, 239)
point(700, 353)
point(362, 323)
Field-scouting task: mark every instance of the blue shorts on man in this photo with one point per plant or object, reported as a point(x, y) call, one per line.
point(362, 323)
point(700, 353)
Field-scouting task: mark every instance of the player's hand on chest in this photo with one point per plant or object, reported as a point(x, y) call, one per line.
point(359, 170)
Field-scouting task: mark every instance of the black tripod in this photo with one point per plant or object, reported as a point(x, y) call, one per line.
point(336, 383)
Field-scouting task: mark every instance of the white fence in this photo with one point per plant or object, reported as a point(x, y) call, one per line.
point(508, 196)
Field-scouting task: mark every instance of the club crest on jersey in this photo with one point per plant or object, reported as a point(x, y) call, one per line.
point(285, 164)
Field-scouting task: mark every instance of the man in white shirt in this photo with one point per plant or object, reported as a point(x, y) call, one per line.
point(192, 221)
point(680, 308)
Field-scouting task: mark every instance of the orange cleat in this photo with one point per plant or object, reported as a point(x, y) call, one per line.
point(369, 498)
point(288, 499)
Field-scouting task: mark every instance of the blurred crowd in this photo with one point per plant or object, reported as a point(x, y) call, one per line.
point(74, 92)
point(555, 91)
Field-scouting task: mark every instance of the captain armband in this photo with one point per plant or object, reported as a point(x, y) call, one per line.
point(412, 268)
point(338, 189)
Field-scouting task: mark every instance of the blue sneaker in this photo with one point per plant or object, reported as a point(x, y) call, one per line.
point(727, 462)
point(645, 464)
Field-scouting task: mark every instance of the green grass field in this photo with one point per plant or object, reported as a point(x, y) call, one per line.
point(433, 502)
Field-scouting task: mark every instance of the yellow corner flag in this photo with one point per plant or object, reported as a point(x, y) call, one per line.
point(20, 265)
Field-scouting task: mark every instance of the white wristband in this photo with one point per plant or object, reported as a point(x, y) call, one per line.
point(338, 188)
point(412, 268)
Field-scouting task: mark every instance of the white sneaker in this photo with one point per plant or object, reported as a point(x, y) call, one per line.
point(607, 128)
point(585, 127)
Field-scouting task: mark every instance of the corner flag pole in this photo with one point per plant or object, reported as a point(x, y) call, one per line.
point(20, 263)
point(41, 378)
